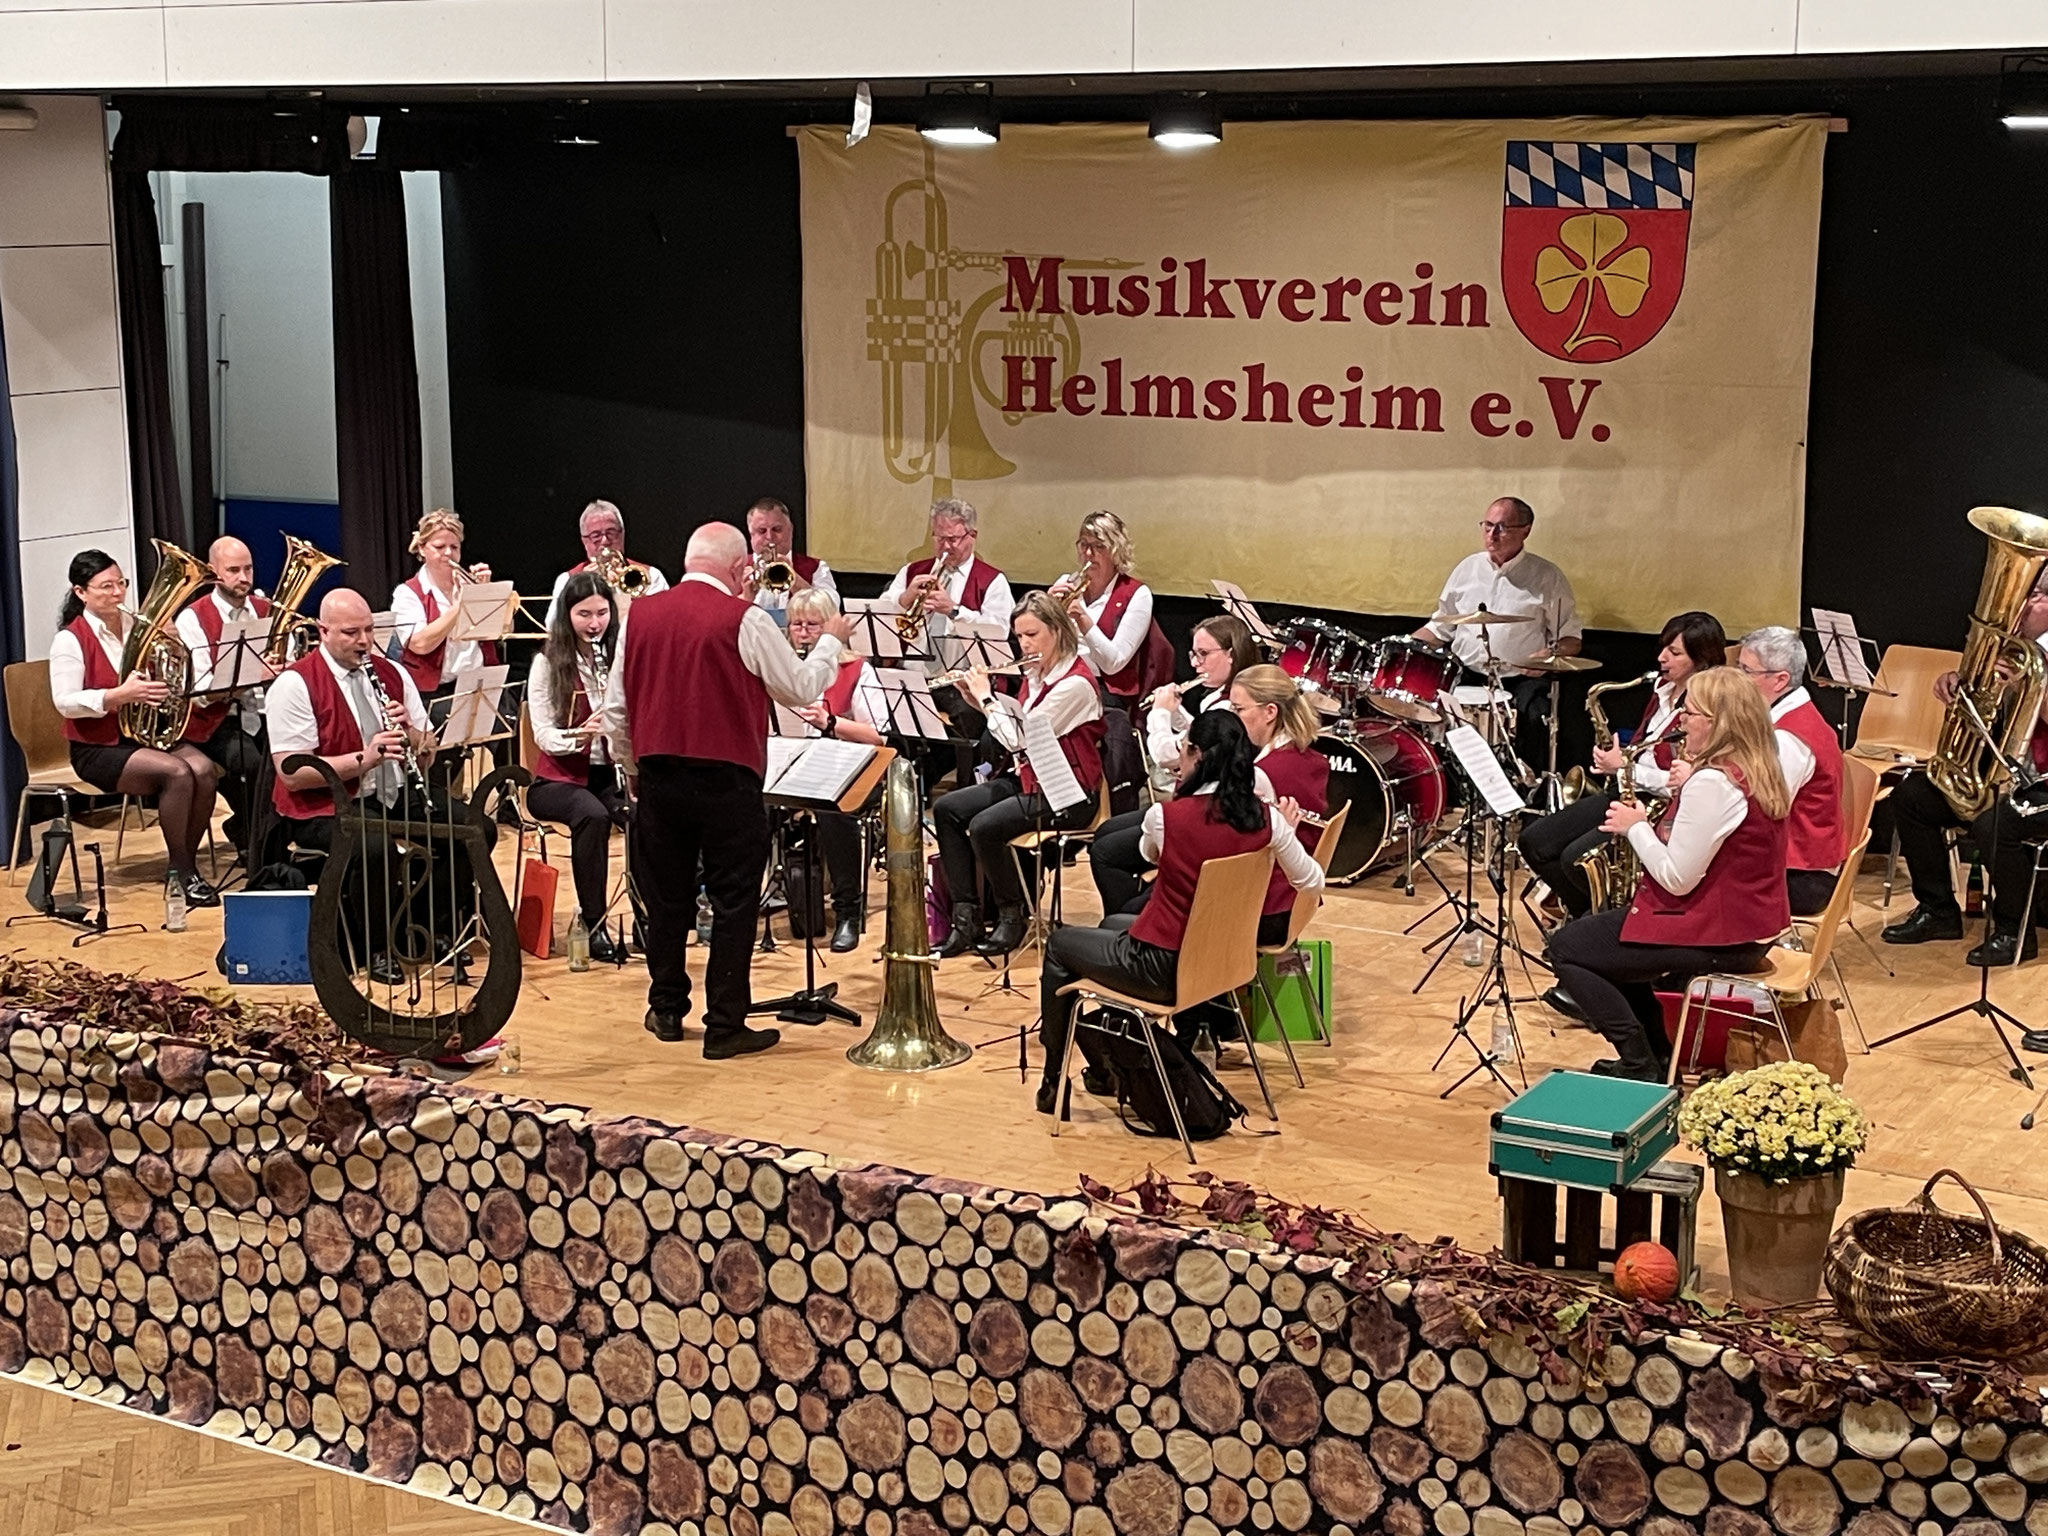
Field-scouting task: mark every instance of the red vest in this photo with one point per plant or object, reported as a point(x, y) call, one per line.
point(806, 566)
point(688, 693)
point(206, 720)
point(1740, 899)
point(1123, 682)
point(839, 696)
point(1300, 774)
point(980, 577)
point(339, 730)
point(101, 730)
point(1082, 746)
point(1814, 835)
point(425, 666)
point(572, 767)
point(1191, 838)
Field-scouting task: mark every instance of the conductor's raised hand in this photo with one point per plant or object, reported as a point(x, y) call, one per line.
point(840, 628)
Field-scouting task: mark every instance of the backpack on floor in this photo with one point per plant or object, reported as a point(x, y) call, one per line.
point(1207, 1108)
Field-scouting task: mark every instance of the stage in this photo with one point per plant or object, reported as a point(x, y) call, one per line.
point(1368, 1133)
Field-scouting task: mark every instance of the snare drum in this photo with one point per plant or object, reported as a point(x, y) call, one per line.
point(1489, 711)
point(1393, 780)
point(1307, 656)
point(1409, 677)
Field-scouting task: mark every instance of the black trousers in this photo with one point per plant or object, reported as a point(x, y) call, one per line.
point(691, 808)
point(1810, 890)
point(241, 758)
point(1552, 846)
point(2003, 837)
point(1108, 955)
point(590, 810)
point(1116, 863)
point(977, 823)
point(839, 848)
point(1613, 981)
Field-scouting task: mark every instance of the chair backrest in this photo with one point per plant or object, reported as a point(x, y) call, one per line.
point(1220, 950)
point(1910, 720)
point(529, 753)
point(1859, 799)
point(32, 717)
point(1102, 810)
point(1306, 902)
point(1838, 906)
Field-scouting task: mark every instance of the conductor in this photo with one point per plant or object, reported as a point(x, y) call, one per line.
point(687, 714)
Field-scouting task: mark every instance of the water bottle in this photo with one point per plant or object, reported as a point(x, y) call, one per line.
point(1502, 1046)
point(579, 945)
point(1470, 951)
point(174, 903)
point(1204, 1048)
point(703, 918)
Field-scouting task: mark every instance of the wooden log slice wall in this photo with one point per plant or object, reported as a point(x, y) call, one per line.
point(615, 1325)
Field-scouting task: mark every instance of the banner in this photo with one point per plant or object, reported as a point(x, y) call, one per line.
point(1306, 358)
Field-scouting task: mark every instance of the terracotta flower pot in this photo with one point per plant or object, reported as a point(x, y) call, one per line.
point(1777, 1234)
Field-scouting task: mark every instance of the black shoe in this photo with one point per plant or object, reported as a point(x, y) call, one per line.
point(1048, 1095)
point(1098, 1082)
point(232, 829)
point(1560, 1001)
point(1619, 1068)
point(739, 1042)
point(386, 971)
point(664, 1026)
point(2035, 1040)
point(966, 929)
point(199, 894)
point(604, 949)
point(1922, 926)
point(845, 935)
point(1007, 934)
point(2000, 949)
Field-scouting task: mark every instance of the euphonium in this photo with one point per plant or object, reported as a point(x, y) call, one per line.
point(303, 566)
point(153, 650)
point(907, 1036)
point(1577, 780)
point(2001, 679)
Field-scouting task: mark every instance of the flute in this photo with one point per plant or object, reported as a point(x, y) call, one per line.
point(956, 678)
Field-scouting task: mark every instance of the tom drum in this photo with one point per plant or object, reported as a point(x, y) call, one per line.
point(1393, 780)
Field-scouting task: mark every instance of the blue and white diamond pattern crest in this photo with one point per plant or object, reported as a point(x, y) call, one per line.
point(1555, 175)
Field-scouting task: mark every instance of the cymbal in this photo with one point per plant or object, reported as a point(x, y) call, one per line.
point(1549, 663)
point(1482, 618)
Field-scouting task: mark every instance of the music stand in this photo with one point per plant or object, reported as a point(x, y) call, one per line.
point(1843, 664)
point(1237, 604)
point(488, 610)
point(240, 663)
point(874, 631)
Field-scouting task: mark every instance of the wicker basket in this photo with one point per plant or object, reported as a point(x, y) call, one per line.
point(1934, 1285)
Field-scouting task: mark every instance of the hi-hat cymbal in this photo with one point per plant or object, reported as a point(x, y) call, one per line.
point(1548, 663)
point(1482, 618)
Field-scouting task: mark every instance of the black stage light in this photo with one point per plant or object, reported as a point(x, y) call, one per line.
point(962, 112)
point(1186, 120)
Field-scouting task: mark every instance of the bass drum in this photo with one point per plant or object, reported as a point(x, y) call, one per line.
point(1393, 780)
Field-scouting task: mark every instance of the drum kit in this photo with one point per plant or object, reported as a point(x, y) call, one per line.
point(1389, 703)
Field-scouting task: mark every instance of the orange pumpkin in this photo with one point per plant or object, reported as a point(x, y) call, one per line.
point(1646, 1272)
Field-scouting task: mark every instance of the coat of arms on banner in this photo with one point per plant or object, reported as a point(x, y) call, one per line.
point(1592, 243)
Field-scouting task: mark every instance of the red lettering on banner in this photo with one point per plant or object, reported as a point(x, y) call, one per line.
point(1022, 374)
point(1253, 292)
point(1133, 296)
point(1075, 395)
point(1219, 400)
point(1164, 289)
point(1205, 299)
point(1088, 295)
point(1465, 304)
point(1032, 289)
point(1314, 405)
point(1333, 297)
point(1157, 395)
point(1382, 301)
point(1113, 388)
point(1419, 315)
point(1425, 402)
point(1259, 390)
point(1296, 294)
point(1568, 415)
point(1354, 398)
point(1486, 413)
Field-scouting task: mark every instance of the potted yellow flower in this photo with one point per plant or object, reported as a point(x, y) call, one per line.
point(1779, 1138)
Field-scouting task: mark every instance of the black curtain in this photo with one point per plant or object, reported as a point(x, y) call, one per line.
point(13, 645)
point(376, 377)
point(146, 368)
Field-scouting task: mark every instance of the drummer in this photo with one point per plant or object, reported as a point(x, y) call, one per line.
point(1505, 578)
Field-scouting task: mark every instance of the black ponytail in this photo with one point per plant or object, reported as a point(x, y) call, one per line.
point(1227, 755)
point(85, 565)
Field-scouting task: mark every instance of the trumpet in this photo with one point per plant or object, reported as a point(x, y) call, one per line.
point(626, 577)
point(1070, 586)
point(774, 572)
point(910, 622)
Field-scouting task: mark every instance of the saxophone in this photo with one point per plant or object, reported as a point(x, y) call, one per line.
point(1578, 780)
point(1613, 870)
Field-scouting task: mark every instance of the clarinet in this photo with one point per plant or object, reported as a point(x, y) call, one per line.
point(600, 674)
point(413, 775)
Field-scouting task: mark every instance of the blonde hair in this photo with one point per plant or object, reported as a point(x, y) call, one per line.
point(1066, 640)
point(813, 603)
point(1741, 741)
point(1107, 530)
point(1266, 684)
point(440, 520)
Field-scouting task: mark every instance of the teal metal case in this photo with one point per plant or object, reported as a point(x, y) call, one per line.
point(1585, 1131)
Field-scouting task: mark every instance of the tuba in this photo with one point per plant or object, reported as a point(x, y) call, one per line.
point(153, 650)
point(303, 566)
point(2000, 683)
point(907, 1036)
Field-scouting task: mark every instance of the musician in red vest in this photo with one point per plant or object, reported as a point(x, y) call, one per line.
point(1712, 894)
point(1816, 839)
point(602, 530)
point(852, 709)
point(229, 729)
point(575, 781)
point(88, 689)
point(975, 824)
point(424, 608)
point(2006, 839)
point(1215, 814)
point(956, 580)
point(1112, 610)
point(1283, 728)
point(772, 533)
point(687, 713)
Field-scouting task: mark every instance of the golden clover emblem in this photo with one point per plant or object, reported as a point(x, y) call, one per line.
point(1589, 260)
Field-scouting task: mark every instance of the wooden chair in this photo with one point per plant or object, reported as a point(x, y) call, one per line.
point(39, 731)
point(1286, 955)
point(529, 756)
point(1860, 794)
point(1219, 953)
point(1899, 726)
point(1790, 972)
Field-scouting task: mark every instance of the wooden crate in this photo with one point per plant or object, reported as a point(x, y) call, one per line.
point(1662, 1204)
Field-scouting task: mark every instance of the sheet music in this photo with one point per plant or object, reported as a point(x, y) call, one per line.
point(1235, 600)
point(782, 751)
point(874, 628)
point(1841, 648)
point(238, 659)
point(487, 609)
point(784, 721)
point(386, 634)
point(822, 769)
point(908, 709)
point(1484, 769)
point(1056, 779)
point(473, 706)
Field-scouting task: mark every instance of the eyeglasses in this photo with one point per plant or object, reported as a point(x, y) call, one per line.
point(1748, 671)
point(113, 584)
point(1694, 714)
point(1196, 653)
point(1490, 529)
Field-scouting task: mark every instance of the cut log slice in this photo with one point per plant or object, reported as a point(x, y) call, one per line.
point(1403, 1457)
point(1209, 1395)
point(1290, 1410)
point(1455, 1423)
point(1526, 1472)
point(1611, 1483)
point(1050, 1409)
point(1804, 1503)
point(1143, 1500)
point(1717, 1415)
point(1877, 1429)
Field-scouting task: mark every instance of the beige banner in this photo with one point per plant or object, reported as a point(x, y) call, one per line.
point(1306, 358)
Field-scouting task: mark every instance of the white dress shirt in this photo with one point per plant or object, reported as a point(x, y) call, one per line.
point(656, 582)
point(295, 728)
point(1166, 729)
point(1295, 861)
point(1110, 654)
point(764, 651)
point(409, 615)
point(74, 700)
point(249, 700)
point(1064, 697)
point(550, 720)
point(1526, 584)
point(1710, 808)
point(1648, 775)
point(821, 578)
point(996, 603)
point(869, 705)
point(1795, 757)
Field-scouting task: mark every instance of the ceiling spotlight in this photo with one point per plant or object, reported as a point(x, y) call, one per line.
point(2023, 96)
point(963, 113)
point(1186, 120)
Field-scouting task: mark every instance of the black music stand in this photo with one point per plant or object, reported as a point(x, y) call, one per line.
point(241, 664)
point(1843, 664)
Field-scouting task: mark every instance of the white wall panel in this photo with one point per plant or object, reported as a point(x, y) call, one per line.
point(44, 563)
point(74, 461)
point(385, 42)
point(70, 50)
point(787, 39)
point(1877, 26)
point(427, 264)
point(53, 177)
point(57, 310)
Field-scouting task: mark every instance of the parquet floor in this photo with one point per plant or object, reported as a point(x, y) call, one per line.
point(1368, 1133)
